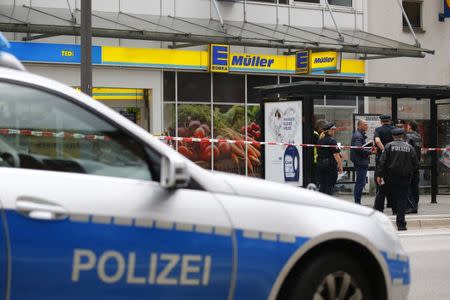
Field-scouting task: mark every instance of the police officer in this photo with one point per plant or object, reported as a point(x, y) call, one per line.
point(318, 128)
point(395, 169)
point(383, 136)
point(329, 161)
point(415, 140)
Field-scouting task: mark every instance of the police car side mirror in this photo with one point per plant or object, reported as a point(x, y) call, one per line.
point(174, 173)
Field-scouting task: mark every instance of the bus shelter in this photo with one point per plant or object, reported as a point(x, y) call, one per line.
point(307, 91)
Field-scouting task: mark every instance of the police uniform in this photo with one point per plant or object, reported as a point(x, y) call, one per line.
point(326, 163)
point(396, 166)
point(315, 176)
point(415, 140)
point(384, 133)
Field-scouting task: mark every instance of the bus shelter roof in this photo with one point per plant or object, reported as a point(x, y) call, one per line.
point(308, 88)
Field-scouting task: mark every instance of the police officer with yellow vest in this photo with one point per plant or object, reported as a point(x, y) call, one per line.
point(395, 170)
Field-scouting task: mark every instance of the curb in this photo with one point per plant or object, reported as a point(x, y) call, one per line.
point(426, 221)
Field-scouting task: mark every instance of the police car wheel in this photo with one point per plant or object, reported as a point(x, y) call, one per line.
point(331, 276)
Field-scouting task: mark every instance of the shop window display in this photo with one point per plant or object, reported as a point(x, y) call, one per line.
point(229, 88)
point(228, 122)
point(254, 134)
point(194, 87)
point(194, 120)
point(169, 86)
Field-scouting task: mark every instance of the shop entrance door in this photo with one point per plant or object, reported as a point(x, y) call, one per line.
point(131, 103)
point(443, 128)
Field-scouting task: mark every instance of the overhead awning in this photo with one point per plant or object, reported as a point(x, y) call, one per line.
point(301, 89)
point(45, 22)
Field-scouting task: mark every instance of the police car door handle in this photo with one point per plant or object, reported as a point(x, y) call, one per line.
point(40, 209)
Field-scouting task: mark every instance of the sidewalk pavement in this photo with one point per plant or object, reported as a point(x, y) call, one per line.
point(430, 215)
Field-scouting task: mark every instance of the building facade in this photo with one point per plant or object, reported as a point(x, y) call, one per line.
point(170, 89)
point(431, 24)
point(181, 90)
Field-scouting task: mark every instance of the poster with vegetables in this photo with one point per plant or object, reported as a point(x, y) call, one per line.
point(283, 123)
point(194, 120)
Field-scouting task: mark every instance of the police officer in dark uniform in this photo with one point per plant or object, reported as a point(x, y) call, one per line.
point(395, 169)
point(383, 136)
point(415, 140)
point(318, 128)
point(329, 161)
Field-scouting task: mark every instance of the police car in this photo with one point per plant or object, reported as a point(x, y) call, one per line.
point(95, 207)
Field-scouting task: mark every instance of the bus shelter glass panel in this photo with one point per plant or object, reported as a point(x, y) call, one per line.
point(418, 110)
point(443, 129)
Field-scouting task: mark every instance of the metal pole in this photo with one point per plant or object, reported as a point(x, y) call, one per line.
point(216, 6)
point(86, 47)
point(394, 110)
point(262, 123)
point(409, 23)
point(308, 133)
point(433, 144)
point(341, 37)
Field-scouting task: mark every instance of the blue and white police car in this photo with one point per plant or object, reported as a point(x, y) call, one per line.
point(95, 207)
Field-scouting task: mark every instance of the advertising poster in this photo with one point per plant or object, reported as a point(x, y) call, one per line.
point(445, 157)
point(446, 8)
point(283, 123)
point(373, 121)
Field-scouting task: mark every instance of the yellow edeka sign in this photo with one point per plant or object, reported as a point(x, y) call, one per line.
point(328, 62)
point(219, 58)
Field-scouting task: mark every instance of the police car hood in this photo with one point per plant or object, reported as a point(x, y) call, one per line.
point(258, 188)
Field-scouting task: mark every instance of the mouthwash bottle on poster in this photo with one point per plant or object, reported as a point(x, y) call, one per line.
point(291, 163)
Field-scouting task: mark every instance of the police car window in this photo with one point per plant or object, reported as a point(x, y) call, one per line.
point(43, 131)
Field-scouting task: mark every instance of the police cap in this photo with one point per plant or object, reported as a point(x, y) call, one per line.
point(328, 126)
point(385, 117)
point(397, 131)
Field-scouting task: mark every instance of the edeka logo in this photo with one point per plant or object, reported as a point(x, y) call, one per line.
point(219, 58)
point(302, 62)
point(254, 61)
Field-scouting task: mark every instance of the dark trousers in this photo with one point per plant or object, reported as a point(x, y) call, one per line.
point(413, 201)
point(383, 191)
point(400, 194)
point(327, 179)
point(361, 173)
point(315, 175)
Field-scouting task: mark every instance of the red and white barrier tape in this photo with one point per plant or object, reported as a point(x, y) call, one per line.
point(208, 140)
point(80, 136)
point(51, 134)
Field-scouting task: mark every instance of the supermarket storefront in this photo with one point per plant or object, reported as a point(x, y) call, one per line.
point(191, 94)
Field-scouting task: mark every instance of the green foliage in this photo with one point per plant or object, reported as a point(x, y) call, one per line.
point(189, 112)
